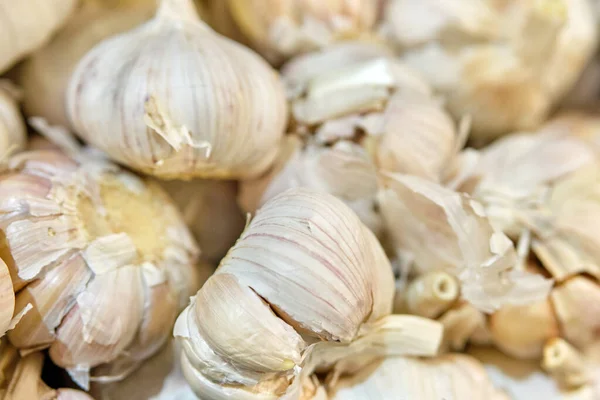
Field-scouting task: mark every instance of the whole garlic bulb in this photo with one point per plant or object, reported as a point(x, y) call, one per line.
point(27, 25)
point(44, 75)
point(279, 29)
point(179, 100)
point(82, 238)
point(12, 128)
point(306, 285)
point(506, 64)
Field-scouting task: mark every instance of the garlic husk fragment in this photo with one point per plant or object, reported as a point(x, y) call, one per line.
point(452, 376)
point(305, 285)
point(27, 25)
point(504, 63)
point(20, 378)
point(210, 210)
point(225, 120)
point(44, 76)
point(13, 133)
point(343, 170)
point(81, 238)
point(279, 29)
point(434, 228)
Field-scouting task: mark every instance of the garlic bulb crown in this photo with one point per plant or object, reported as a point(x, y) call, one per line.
point(179, 100)
point(12, 128)
point(306, 284)
point(81, 238)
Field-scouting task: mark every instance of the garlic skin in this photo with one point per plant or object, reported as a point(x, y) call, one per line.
point(343, 170)
point(279, 29)
point(264, 321)
point(82, 238)
point(506, 64)
point(435, 228)
point(44, 75)
point(225, 120)
point(28, 25)
point(13, 133)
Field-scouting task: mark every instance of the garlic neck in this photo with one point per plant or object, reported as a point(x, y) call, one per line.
point(182, 10)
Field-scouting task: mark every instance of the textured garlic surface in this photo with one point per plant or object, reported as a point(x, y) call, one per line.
point(504, 63)
point(12, 127)
point(175, 99)
point(44, 76)
point(27, 25)
point(305, 285)
point(82, 239)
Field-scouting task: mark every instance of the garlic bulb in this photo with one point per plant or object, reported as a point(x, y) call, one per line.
point(81, 238)
point(279, 29)
point(27, 25)
point(506, 64)
point(435, 228)
point(180, 101)
point(44, 76)
point(210, 210)
point(12, 128)
point(306, 285)
point(343, 170)
point(354, 88)
point(20, 378)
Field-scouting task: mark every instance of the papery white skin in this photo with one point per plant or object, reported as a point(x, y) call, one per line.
point(504, 63)
point(12, 128)
point(438, 228)
point(224, 120)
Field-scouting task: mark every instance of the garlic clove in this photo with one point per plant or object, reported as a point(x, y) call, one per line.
point(565, 364)
point(12, 128)
point(7, 298)
point(463, 323)
point(229, 130)
point(431, 294)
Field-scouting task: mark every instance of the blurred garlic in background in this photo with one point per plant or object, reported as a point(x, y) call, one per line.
point(13, 133)
point(27, 25)
point(44, 76)
point(506, 64)
point(82, 238)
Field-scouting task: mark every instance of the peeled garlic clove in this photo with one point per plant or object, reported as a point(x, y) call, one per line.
point(82, 238)
point(432, 293)
point(508, 63)
point(279, 29)
point(343, 170)
point(445, 230)
point(463, 323)
point(12, 128)
point(44, 76)
point(565, 364)
point(225, 120)
point(28, 25)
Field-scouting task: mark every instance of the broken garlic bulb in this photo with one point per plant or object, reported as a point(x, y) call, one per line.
point(81, 238)
point(305, 285)
point(504, 63)
point(179, 100)
point(279, 29)
point(435, 228)
point(13, 133)
point(44, 75)
point(27, 25)
point(343, 170)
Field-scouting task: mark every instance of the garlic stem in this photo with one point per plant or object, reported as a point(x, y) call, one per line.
point(565, 364)
point(431, 294)
point(178, 9)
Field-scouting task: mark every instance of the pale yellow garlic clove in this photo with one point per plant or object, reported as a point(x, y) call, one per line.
point(504, 63)
point(28, 25)
point(44, 76)
point(463, 323)
point(7, 298)
point(225, 120)
point(82, 238)
point(318, 288)
point(12, 128)
point(565, 364)
point(432, 293)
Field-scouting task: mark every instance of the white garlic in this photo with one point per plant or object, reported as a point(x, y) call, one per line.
point(27, 25)
point(306, 285)
point(12, 128)
point(439, 229)
point(44, 75)
point(82, 238)
point(505, 63)
point(179, 100)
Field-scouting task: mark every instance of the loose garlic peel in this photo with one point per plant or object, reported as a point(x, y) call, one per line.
point(302, 253)
point(20, 378)
point(343, 170)
point(82, 238)
point(28, 25)
point(504, 63)
point(231, 128)
point(45, 75)
point(12, 128)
